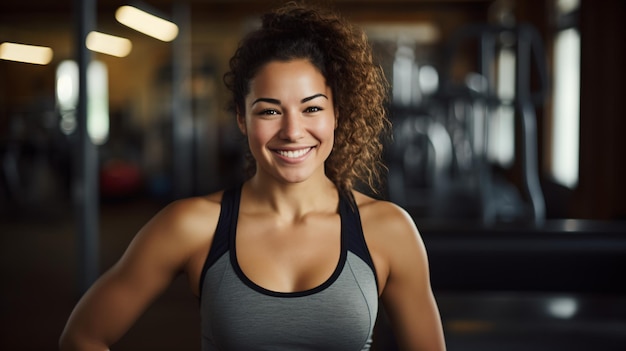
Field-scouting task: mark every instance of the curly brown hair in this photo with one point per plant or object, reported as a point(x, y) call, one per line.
point(343, 55)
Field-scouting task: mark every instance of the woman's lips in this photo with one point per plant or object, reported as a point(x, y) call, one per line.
point(293, 154)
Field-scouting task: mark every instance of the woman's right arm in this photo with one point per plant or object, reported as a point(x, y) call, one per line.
point(157, 254)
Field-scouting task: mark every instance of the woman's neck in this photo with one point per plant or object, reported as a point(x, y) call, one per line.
point(290, 200)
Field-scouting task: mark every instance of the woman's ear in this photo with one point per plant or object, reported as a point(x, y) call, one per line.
point(241, 122)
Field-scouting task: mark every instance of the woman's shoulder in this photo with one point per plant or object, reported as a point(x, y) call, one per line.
point(391, 236)
point(192, 207)
point(381, 210)
point(385, 220)
point(188, 218)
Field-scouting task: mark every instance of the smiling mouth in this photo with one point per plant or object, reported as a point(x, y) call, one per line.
point(293, 153)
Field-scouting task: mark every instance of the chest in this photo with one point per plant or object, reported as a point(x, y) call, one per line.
point(293, 257)
point(337, 315)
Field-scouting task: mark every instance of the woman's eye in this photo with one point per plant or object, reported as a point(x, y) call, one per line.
point(312, 109)
point(268, 112)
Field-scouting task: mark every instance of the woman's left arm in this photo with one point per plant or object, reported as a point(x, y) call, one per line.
point(406, 292)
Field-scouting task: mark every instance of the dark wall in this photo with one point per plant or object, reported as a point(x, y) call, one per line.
point(602, 190)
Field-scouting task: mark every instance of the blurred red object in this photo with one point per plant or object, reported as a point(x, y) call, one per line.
point(120, 178)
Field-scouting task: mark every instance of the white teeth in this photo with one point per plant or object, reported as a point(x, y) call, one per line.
point(293, 154)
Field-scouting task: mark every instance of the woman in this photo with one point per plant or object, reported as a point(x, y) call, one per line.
point(294, 258)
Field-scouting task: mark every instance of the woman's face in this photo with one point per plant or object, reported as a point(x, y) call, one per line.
point(289, 120)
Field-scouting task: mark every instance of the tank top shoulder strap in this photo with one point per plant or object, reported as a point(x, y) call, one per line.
point(352, 229)
point(226, 224)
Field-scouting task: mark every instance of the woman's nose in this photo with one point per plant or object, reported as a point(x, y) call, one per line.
point(292, 128)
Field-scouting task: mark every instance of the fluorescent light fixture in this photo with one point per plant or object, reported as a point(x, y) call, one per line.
point(419, 33)
point(39, 55)
point(67, 85)
point(562, 307)
point(97, 99)
point(566, 108)
point(146, 23)
point(67, 95)
point(98, 102)
point(108, 44)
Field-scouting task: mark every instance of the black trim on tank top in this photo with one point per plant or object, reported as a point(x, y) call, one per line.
point(219, 245)
point(356, 241)
point(352, 239)
point(248, 282)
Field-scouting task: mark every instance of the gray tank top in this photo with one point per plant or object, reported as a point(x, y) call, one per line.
point(237, 314)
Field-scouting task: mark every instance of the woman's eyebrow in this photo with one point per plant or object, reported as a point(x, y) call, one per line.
point(313, 97)
point(268, 100)
point(277, 102)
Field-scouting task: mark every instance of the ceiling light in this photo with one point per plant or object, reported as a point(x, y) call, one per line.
point(39, 55)
point(108, 44)
point(146, 23)
point(416, 33)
